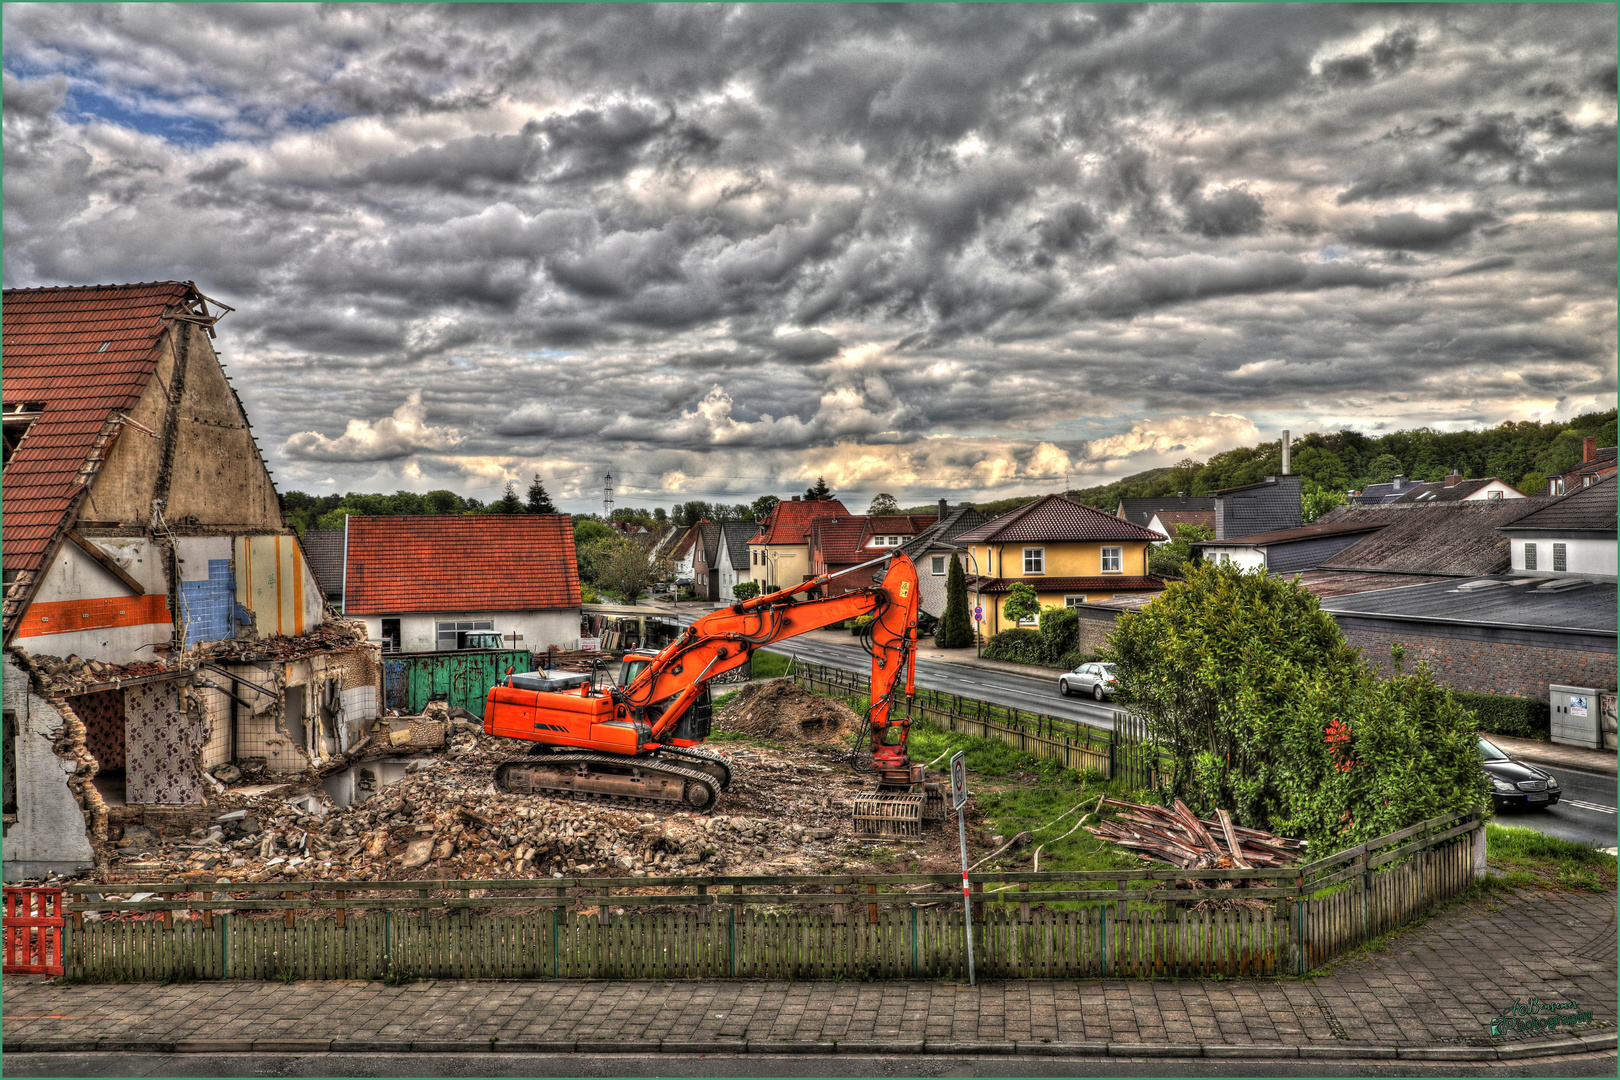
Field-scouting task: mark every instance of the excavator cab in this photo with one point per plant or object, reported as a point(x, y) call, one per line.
point(635, 662)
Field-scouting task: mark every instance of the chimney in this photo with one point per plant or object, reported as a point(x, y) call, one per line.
point(795, 498)
point(1182, 496)
point(1399, 481)
point(1588, 449)
point(1285, 449)
point(1453, 479)
point(943, 509)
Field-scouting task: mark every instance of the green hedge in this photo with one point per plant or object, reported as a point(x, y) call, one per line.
point(1503, 714)
point(1019, 646)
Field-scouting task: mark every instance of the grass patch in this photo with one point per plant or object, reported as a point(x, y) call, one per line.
point(1534, 859)
point(769, 665)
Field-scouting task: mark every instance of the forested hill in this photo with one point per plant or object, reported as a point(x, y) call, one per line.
point(1523, 454)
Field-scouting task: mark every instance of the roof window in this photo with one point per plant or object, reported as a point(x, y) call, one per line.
point(1484, 583)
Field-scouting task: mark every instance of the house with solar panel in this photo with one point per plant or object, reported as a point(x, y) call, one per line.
point(161, 621)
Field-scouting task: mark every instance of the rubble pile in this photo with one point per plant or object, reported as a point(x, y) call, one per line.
point(444, 819)
point(779, 709)
point(332, 635)
point(1179, 837)
point(74, 674)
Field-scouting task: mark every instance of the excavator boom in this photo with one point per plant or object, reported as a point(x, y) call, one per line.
point(643, 740)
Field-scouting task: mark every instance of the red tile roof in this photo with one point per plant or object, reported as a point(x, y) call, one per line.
point(1052, 518)
point(86, 354)
point(475, 562)
point(837, 540)
point(1114, 582)
point(790, 522)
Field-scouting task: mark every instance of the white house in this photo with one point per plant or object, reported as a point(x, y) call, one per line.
point(1574, 536)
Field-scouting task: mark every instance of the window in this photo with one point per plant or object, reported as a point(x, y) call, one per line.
point(1034, 560)
point(390, 635)
point(1529, 556)
point(1493, 496)
point(449, 636)
point(937, 565)
point(1560, 564)
point(1074, 600)
point(1113, 560)
point(18, 417)
point(884, 541)
point(9, 754)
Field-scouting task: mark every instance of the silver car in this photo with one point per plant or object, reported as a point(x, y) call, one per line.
point(1094, 679)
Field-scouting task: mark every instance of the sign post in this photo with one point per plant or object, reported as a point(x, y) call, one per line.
point(959, 797)
point(978, 637)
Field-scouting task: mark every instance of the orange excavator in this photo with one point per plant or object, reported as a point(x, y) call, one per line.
point(642, 739)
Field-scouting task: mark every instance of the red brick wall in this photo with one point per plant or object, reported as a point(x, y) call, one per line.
point(1486, 667)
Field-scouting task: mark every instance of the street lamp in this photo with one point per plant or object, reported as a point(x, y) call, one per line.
point(978, 603)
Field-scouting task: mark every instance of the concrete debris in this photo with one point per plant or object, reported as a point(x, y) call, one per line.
point(437, 816)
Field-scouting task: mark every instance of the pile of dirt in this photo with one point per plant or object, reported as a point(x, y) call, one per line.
point(778, 709)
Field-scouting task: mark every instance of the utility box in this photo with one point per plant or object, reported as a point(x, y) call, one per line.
point(1577, 716)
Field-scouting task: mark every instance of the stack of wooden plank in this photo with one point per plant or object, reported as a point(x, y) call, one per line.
point(1177, 836)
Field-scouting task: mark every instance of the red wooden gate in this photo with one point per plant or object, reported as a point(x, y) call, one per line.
point(33, 922)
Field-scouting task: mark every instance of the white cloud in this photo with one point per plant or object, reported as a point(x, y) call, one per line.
point(400, 435)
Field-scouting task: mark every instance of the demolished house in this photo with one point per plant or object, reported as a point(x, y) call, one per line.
point(161, 623)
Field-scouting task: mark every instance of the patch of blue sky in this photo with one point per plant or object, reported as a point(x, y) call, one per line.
point(85, 103)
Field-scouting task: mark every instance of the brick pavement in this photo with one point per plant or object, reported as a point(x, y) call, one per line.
point(1436, 985)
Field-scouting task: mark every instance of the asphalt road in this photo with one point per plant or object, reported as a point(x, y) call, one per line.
point(746, 1065)
point(1036, 693)
point(1585, 814)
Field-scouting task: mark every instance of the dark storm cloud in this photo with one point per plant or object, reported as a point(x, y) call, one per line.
point(940, 248)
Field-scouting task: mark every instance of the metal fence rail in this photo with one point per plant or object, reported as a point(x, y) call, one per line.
point(1126, 753)
point(1129, 924)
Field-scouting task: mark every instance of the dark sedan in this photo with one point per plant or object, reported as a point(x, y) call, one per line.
point(1514, 784)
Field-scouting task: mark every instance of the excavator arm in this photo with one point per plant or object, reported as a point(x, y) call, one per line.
point(661, 695)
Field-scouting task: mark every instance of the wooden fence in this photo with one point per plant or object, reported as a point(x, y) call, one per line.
point(1125, 924)
point(1126, 753)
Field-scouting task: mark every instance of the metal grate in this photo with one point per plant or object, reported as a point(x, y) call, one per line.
point(934, 804)
point(888, 816)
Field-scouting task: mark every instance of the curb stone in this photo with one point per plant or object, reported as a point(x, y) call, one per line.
point(1519, 1051)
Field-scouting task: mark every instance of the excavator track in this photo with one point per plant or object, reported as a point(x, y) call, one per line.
point(707, 760)
point(648, 778)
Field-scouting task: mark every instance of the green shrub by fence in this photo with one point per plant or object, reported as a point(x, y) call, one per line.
point(1503, 714)
point(1123, 924)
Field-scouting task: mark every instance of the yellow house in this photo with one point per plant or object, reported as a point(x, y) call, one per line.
point(1069, 553)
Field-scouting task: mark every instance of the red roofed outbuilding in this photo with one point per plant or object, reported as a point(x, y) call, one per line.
point(434, 583)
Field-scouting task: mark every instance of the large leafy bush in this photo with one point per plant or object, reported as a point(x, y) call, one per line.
point(1060, 631)
point(1268, 713)
point(1021, 646)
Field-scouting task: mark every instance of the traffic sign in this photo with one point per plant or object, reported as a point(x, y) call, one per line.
point(959, 791)
point(978, 614)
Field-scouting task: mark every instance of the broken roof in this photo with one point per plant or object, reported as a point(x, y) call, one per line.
point(470, 562)
point(790, 522)
point(1054, 519)
point(1591, 509)
point(1447, 538)
point(84, 355)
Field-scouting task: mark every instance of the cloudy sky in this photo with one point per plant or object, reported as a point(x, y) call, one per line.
point(962, 251)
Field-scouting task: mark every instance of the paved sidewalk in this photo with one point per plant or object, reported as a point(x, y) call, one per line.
point(1430, 994)
point(1556, 755)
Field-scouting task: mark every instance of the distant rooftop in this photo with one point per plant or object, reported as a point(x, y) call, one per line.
point(1523, 602)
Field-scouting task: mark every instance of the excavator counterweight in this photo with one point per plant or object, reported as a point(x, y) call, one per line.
point(642, 740)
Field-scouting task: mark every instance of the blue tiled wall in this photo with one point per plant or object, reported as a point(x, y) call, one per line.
point(208, 604)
